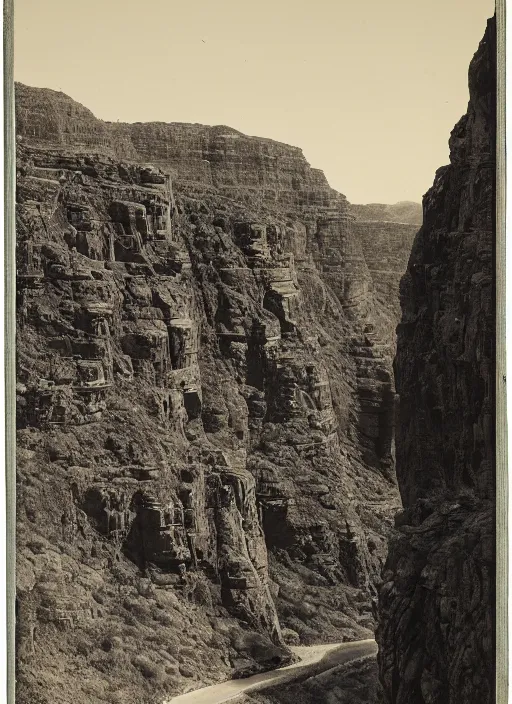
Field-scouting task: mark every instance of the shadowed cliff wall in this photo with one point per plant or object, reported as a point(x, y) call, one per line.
point(436, 632)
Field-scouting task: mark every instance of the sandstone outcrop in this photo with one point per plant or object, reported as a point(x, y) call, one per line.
point(205, 407)
point(436, 642)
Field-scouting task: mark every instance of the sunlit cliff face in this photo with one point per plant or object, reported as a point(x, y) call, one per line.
point(205, 383)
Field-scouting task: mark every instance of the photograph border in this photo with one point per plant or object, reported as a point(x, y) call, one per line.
point(502, 483)
point(10, 341)
point(502, 497)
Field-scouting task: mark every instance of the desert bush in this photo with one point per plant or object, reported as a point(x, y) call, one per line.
point(162, 617)
point(186, 670)
point(188, 652)
point(146, 667)
point(202, 595)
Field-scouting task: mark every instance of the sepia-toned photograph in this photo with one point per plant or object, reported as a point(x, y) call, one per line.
point(255, 346)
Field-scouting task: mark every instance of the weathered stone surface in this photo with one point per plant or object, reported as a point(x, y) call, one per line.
point(205, 398)
point(437, 598)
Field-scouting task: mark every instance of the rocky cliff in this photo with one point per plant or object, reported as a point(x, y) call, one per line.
point(217, 159)
point(436, 602)
point(205, 407)
point(386, 242)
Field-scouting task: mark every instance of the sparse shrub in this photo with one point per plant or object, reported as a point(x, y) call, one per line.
point(138, 609)
point(130, 620)
point(172, 646)
point(202, 595)
point(107, 644)
point(186, 670)
point(83, 647)
point(116, 698)
point(163, 618)
point(98, 597)
point(144, 587)
point(305, 610)
point(188, 652)
point(103, 664)
point(145, 666)
point(290, 636)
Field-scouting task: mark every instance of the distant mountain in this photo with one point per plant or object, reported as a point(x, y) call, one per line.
point(405, 211)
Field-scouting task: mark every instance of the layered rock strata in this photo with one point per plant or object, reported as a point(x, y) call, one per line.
point(386, 248)
point(436, 634)
point(205, 406)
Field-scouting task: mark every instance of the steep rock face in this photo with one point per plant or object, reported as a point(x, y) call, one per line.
point(250, 169)
point(205, 409)
point(436, 603)
point(386, 246)
point(53, 119)
point(116, 472)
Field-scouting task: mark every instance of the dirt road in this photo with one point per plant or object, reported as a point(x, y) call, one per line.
point(313, 660)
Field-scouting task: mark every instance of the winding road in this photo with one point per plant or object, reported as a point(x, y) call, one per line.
point(313, 660)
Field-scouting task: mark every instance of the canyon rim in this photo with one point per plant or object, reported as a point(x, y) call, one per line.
point(253, 419)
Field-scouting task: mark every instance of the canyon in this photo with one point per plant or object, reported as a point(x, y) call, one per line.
point(205, 405)
point(206, 412)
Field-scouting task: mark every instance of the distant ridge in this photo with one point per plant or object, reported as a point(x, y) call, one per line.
point(406, 211)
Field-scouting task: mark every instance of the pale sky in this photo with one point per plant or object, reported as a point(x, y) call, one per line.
point(370, 90)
